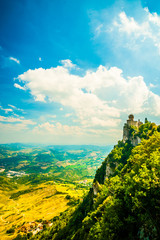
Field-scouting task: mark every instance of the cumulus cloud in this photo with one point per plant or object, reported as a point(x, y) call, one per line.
point(58, 85)
point(56, 133)
point(57, 129)
point(129, 25)
point(16, 85)
point(97, 99)
point(14, 59)
point(148, 28)
point(67, 63)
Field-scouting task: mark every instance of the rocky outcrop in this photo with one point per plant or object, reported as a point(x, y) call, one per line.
point(96, 187)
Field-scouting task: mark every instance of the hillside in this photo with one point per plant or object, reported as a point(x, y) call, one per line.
point(37, 183)
point(126, 205)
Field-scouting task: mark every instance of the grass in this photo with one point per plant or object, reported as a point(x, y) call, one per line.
point(42, 202)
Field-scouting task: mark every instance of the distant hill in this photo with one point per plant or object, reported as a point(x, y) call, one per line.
point(64, 162)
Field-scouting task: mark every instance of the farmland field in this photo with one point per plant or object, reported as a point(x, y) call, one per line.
point(38, 183)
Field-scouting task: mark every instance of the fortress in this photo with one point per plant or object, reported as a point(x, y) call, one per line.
point(126, 130)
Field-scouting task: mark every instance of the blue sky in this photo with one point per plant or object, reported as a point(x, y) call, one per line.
point(72, 71)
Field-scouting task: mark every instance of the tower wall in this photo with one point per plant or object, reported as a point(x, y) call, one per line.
point(126, 130)
point(132, 123)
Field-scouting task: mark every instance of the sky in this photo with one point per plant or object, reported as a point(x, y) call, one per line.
point(72, 71)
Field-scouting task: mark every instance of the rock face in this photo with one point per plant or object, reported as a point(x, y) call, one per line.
point(126, 130)
point(96, 187)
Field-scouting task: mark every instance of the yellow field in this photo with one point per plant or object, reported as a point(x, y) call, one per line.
point(44, 203)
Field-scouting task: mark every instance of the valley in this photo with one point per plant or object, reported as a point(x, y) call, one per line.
point(38, 183)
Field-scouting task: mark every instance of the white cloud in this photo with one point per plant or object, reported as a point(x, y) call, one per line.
point(15, 108)
point(16, 120)
point(16, 115)
point(58, 85)
point(67, 63)
point(16, 85)
point(128, 25)
point(117, 30)
point(148, 28)
point(56, 134)
point(155, 103)
point(7, 110)
point(14, 59)
point(12, 129)
point(75, 134)
point(153, 17)
point(57, 129)
point(107, 93)
point(98, 30)
point(11, 106)
point(152, 85)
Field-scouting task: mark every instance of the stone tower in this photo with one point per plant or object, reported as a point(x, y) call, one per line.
point(126, 130)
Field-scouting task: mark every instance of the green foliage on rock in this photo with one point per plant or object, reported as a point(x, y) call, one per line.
point(114, 161)
point(146, 130)
point(127, 205)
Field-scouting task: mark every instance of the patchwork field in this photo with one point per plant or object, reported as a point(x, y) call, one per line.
point(30, 204)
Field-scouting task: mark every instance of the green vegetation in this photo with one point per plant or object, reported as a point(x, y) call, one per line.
point(7, 184)
point(34, 164)
point(38, 183)
point(146, 130)
point(114, 161)
point(127, 204)
point(11, 230)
